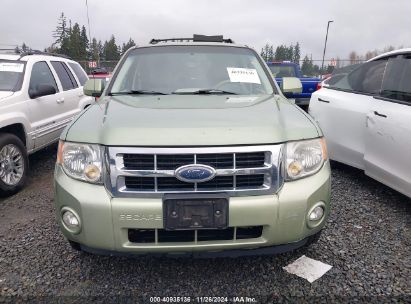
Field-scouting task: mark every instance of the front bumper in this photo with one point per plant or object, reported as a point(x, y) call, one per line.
point(105, 220)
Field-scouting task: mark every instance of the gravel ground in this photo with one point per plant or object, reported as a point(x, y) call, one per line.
point(367, 241)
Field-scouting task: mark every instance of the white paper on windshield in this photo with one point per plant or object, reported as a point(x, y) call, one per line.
point(11, 67)
point(243, 75)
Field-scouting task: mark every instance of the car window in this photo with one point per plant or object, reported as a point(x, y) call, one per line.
point(41, 75)
point(11, 75)
point(66, 78)
point(397, 79)
point(78, 70)
point(176, 69)
point(365, 79)
point(282, 70)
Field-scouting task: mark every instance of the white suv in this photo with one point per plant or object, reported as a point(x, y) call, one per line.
point(40, 94)
point(366, 118)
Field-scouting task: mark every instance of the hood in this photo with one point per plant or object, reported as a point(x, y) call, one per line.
point(187, 120)
point(5, 94)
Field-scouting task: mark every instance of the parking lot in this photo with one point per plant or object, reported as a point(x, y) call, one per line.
point(367, 241)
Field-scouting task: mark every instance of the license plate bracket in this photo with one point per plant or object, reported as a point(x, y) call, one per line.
point(199, 211)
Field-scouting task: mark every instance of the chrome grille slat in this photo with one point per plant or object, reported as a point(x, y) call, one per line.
point(262, 177)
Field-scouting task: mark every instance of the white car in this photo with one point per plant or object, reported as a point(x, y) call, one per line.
point(40, 94)
point(366, 118)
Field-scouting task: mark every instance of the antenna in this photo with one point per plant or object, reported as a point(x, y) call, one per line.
point(89, 34)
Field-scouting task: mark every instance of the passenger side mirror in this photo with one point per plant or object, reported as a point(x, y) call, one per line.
point(42, 90)
point(94, 87)
point(291, 85)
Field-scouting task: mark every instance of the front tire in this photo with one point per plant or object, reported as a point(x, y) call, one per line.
point(13, 164)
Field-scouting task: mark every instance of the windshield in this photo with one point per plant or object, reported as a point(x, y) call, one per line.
point(11, 75)
point(192, 70)
point(282, 70)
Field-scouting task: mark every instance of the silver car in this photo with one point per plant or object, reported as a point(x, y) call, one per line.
point(366, 118)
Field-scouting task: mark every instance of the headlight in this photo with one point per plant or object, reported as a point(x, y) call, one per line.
point(304, 158)
point(81, 161)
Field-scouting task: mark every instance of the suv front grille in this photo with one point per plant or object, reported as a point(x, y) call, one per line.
point(173, 161)
point(151, 171)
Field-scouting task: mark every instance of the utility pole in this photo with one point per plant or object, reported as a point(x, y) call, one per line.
point(325, 46)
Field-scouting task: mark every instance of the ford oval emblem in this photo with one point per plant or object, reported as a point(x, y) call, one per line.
point(195, 173)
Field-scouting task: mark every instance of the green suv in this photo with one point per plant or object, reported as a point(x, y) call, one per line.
point(192, 149)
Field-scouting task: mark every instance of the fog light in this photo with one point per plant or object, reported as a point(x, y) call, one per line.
point(71, 221)
point(316, 214)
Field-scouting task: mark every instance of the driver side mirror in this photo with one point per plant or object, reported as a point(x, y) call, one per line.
point(291, 85)
point(42, 90)
point(94, 87)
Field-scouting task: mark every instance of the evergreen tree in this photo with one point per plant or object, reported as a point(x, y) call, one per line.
point(100, 49)
point(94, 50)
point(281, 53)
point(296, 53)
point(307, 67)
point(61, 31)
point(111, 50)
point(262, 54)
point(127, 45)
point(24, 48)
point(75, 43)
point(84, 44)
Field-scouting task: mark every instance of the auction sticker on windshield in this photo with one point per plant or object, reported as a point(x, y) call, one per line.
point(243, 75)
point(11, 67)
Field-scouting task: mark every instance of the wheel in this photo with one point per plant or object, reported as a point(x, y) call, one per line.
point(13, 164)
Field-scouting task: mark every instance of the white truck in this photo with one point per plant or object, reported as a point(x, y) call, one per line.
point(40, 94)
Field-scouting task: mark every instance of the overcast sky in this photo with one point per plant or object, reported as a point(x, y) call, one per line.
point(357, 26)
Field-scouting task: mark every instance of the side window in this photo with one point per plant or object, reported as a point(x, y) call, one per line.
point(78, 70)
point(365, 79)
point(397, 79)
point(41, 75)
point(67, 79)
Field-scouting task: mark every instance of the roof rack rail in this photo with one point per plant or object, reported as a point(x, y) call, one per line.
point(37, 52)
point(196, 38)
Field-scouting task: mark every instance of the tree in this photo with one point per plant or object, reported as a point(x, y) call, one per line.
point(127, 45)
point(61, 31)
point(284, 53)
point(111, 51)
point(75, 43)
point(23, 48)
point(84, 44)
point(307, 67)
point(296, 53)
point(267, 52)
point(94, 50)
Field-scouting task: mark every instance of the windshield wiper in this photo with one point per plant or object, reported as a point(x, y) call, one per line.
point(137, 92)
point(204, 91)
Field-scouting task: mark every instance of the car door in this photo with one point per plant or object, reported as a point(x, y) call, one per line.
point(83, 100)
point(71, 91)
point(388, 138)
point(341, 110)
point(45, 110)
